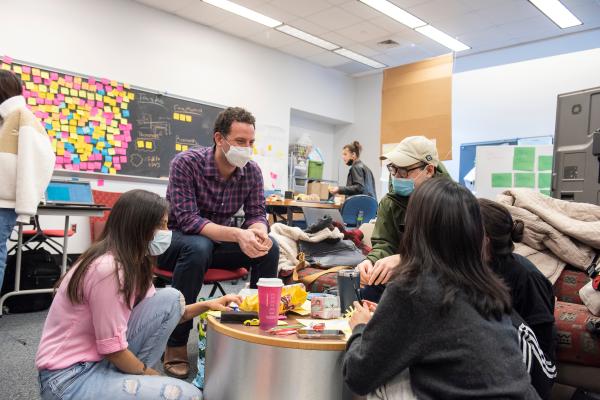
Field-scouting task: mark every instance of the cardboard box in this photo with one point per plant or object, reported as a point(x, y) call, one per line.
point(319, 188)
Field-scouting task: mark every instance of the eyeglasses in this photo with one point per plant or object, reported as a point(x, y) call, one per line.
point(402, 172)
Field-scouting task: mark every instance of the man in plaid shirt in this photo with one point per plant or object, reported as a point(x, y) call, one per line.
point(207, 186)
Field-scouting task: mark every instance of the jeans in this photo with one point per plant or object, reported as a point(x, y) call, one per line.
point(8, 218)
point(189, 256)
point(148, 329)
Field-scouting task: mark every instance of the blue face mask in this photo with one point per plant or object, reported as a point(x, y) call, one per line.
point(403, 186)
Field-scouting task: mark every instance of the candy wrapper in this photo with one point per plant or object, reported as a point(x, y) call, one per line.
point(292, 297)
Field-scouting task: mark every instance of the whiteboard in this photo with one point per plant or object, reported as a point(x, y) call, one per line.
point(498, 168)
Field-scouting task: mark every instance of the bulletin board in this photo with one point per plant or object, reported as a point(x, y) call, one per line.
point(105, 126)
point(505, 167)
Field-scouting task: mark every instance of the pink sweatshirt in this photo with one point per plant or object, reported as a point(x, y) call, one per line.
point(86, 332)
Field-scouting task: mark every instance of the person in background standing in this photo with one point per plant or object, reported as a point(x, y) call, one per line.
point(360, 178)
point(26, 160)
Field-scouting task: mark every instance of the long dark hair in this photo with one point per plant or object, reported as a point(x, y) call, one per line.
point(130, 227)
point(500, 230)
point(443, 238)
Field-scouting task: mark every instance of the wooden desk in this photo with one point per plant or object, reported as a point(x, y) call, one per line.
point(289, 206)
point(65, 211)
point(243, 362)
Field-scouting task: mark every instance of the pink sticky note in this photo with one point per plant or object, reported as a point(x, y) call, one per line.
point(39, 114)
point(7, 59)
point(100, 182)
point(26, 69)
point(83, 165)
point(100, 104)
point(117, 167)
point(37, 80)
point(47, 82)
point(61, 97)
point(76, 86)
point(105, 81)
point(68, 166)
point(26, 93)
point(68, 78)
point(125, 145)
point(119, 99)
point(120, 88)
point(53, 76)
point(75, 167)
point(92, 81)
point(123, 159)
point(97, 165)
point(88, 139)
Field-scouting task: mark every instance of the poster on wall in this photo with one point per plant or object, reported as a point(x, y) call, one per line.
point(270, 152)
point(498, 168)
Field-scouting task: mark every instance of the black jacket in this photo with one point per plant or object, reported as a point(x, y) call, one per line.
point(360, 181)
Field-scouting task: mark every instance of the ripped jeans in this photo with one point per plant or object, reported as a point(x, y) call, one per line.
point(148, 330)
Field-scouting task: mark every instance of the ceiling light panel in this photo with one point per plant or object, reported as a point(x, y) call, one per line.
point(442, 38)
point(244, 12)
point(395, 12)
point(307, 37)
point(557, 12)
point(360, 58)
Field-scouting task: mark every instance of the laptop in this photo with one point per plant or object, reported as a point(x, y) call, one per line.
point(312, 215)
point(70, 193)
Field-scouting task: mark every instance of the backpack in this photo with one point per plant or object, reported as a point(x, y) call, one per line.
point(39, 270)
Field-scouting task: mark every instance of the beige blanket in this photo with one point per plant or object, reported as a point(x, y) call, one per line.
point(570, 231)
point(287, 237)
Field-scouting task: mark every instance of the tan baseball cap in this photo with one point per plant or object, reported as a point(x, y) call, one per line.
point(411, 150)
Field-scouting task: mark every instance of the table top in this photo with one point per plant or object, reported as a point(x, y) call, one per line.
point(297, 203)
point(71, 210)
point(253, 334)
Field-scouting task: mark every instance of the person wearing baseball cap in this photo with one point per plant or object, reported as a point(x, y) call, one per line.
point(413, 161)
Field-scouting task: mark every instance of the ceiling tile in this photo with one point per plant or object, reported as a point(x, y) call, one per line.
point(487, 38)
point(362, 32)
point(272, 38)
point(301, 8)
point(528, 27)
point(251, 4)
point(203, 13)
point(328, 59)
point(308, 26)
point(240, 26)
point(470, 22)
point(336, 38)
point(353, 67)
point(302, 49)
point(481, 4)
point(338, 2)
point(169, 6)
point(361, 10)
point(275, 12)
point(438, 10)
point(363, 50)
point(509, 12)
point(334, 18)
point(405, 4)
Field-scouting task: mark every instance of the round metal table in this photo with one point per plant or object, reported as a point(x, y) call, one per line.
point(243, 362)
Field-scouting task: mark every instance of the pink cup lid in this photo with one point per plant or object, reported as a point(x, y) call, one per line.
point(270, 282)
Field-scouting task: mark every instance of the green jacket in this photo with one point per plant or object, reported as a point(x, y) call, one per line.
point(389, 225)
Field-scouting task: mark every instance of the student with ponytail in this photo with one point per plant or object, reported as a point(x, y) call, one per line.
point(360, 178)
point(532, 294)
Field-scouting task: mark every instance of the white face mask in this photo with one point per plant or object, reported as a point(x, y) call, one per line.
point(160, 243)
point(238, 156)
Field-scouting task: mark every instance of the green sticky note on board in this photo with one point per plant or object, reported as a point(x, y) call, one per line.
point(524, 158)
point(545, 191)
point(502, 180)
point(545, 163)
point(524, 180)
point(544, 180)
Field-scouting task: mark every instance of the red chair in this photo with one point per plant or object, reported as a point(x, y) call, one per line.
point(212, 276)
point(97, 223)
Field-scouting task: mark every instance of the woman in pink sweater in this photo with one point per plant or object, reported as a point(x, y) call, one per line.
point(107, 325)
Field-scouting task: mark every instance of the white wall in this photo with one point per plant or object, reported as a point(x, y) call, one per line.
point(142, 46)
point(366, 126)
point(321, 135)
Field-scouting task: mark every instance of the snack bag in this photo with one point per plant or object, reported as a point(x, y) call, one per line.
point(292, 296)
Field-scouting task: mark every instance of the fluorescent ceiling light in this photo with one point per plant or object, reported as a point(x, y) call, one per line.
point(244, 12)
point(557, 12)
point(442, 38)
point(361, 59)
point(307, 37)
point(395, 12)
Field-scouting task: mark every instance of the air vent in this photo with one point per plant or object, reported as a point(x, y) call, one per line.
point(388, 43)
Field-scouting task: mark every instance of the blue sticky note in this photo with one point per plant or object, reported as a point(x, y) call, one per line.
point(108, 158)
point(75, 160)
point(95, 151)
point(104, 152)
point(79, 130)
point(48, 126)
point(102, 92)
point(105, 170)
point(125, 113)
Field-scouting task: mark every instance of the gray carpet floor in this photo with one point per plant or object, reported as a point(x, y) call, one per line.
point(19, 338)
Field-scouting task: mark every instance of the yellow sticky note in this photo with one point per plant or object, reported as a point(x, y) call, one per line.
point(64, 91)
point(110, 137)
point(131, 96)
point(176, 116)
point(111, 151)
point(5, 67)
point(113, 171)
point(184, 148)
point(124, 106)
point(177, 147)
point(74, 92)
point(188, 118)
point(43, 88)
point(82, 93)
point(17, 69)
point(35, 71)
point(84, 157)
point(60, 151)
point(107, 163)
point(31, 101)
point(45, 75)
point(140, 144)
point(149, 145)
point(77, 79)
point(100, 145)
point(25, 77)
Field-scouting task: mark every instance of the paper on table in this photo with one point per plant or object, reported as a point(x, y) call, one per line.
point(335, 324)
